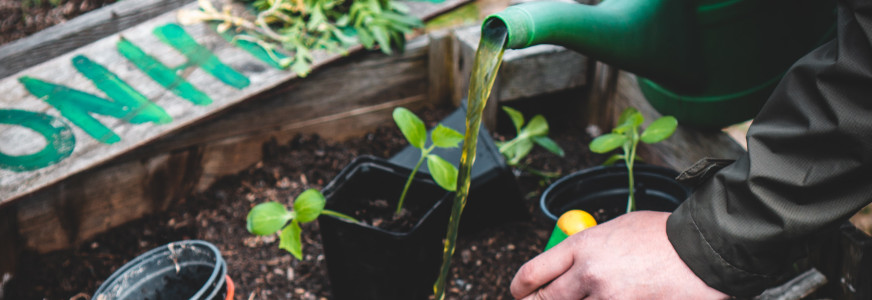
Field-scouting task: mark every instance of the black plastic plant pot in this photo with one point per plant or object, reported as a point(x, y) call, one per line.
point(603, 191)
point(494, 197)
point(367, 262)
point(190, 269)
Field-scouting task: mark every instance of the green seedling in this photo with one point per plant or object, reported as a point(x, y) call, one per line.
point(626, 136)
point(442, 171)
point(535, 133)
point(271, 217)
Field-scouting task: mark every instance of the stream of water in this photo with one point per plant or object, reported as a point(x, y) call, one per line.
point(488, 58)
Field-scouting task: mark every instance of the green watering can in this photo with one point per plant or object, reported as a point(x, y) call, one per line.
point(709, 63)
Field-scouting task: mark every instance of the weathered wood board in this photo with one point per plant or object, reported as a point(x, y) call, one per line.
point(88, 151)
point(51, 42)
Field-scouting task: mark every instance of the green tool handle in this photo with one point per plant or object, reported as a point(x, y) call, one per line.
point(557, 236)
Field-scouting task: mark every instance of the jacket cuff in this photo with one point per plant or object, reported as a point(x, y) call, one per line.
point(691, 244)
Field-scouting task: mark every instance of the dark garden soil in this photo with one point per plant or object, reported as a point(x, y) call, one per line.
point(483, 265)
point(20, 18)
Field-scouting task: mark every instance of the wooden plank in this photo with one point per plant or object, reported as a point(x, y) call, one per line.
point(797, 288)
point(59, 39)
point(440, 65)
point(73, 211)
point(361, 81)
point(88, 152)
point(232, 155)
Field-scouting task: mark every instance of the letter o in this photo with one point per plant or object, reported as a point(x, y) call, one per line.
point(60, 140)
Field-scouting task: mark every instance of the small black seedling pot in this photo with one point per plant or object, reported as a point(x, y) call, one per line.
point(604, 189)
point(494, 197)
point(366, 262)
point(179, 270)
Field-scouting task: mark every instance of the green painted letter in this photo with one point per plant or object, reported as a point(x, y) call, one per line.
point(175, 36)
point(163, 75)
point(77, 105)
point(59, 138)
point(269, 56)
point(143, 110)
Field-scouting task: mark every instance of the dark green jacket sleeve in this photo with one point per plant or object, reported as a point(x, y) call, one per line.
point(807, 169)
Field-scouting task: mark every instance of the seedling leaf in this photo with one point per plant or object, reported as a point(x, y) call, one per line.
point(443, 172)
point(290, 240)
point(607, 142)
point(659, 130)
point(622, 129)
point(613, 159)
point(628, 113)
point(309, 205)
point(537, 126)
point(411, 126)
point(267, 218)
point(446, 137)
point(518, 151)
point(516, 117)
point(549, 145)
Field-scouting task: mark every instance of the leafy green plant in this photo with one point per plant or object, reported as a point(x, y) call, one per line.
point(442, 171)
point(304, 26)
point(626, 136)
point(271, 217)
point(536, 132)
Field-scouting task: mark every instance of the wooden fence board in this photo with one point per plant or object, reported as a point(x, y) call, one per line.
point(56, 40)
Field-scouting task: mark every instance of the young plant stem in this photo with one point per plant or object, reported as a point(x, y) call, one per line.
point(339, 215)
point(542, 174)
point(424, 153)
point(510, 143)
point(629, 160)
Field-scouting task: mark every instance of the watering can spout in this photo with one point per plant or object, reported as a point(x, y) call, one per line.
point(709, 63)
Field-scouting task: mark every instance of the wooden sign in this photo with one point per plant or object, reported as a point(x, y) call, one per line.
point(90, 105)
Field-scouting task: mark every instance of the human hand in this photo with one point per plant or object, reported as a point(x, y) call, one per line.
point(629, 257)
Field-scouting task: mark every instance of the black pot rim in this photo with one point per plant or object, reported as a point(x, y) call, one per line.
point(638, 168)
point(353, 167)
point(218, 273)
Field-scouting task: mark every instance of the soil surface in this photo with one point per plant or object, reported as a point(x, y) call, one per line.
point(20, 18)
point(483, 265)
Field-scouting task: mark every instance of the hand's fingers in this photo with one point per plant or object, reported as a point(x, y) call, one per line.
point(542, 269)
point(566, 287)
